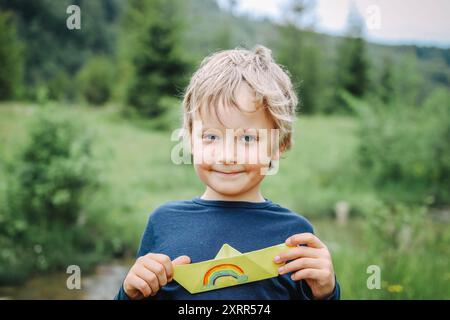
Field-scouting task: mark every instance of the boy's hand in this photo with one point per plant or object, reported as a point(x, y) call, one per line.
point(149, 274)
point(311, 263)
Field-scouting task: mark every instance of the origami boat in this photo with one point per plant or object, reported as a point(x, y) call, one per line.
point(229, 268)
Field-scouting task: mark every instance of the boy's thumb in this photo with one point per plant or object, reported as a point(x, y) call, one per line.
point(181, 260)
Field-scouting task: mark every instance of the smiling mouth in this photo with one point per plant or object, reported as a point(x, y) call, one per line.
point(228, 174)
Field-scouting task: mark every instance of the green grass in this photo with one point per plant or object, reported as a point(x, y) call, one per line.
point(137, 172)
point(320, 170)
point(136, 175)
point(421, 272)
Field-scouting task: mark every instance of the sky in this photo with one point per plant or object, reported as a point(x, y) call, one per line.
point(417, 22)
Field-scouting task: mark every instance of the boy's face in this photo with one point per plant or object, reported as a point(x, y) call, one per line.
point(231, 154)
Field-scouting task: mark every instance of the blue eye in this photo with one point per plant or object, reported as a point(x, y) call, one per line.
point(210, 137)
point(247, 138)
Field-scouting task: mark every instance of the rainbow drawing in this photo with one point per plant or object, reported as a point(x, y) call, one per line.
point(223, 270)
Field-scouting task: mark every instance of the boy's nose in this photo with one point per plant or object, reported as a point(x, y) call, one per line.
point(228, 152)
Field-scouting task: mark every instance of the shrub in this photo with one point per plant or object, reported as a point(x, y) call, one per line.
point(406, 150)
point(54, 171)
point(60, 87)
point(42, 224)
point(95, 80)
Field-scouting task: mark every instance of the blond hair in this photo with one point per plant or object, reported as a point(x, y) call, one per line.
point(220, 75)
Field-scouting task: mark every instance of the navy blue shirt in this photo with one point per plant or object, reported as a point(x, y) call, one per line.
point(198, 228)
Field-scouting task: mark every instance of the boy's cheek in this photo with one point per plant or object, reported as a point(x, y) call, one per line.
point(256, 171)
point(203, 155)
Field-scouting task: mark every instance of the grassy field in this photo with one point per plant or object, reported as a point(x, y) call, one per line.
point(136, 175)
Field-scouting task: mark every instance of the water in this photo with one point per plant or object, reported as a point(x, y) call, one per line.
point(103, 283)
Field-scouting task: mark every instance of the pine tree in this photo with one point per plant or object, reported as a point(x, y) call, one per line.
point(387, 82)
point(352, 64)
point(158, 63)
point(54, 53)
point(357, 68)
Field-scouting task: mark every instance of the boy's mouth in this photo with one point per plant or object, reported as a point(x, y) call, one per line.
point(228, 173)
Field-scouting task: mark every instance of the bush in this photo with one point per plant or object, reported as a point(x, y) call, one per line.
point(42, 225)
point(54, 171)
point(406, 150)
point(409, 248)
point(95, 80)
point(60, 87)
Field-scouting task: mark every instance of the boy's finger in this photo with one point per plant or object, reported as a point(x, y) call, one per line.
point(164, 260)
point(140, 285)
point(181, 260)
point(148, 276)
point(158, 269)
point(298, 264)
point(304, 238)
point(295, 253)
point(315, 274)
point(178, 261)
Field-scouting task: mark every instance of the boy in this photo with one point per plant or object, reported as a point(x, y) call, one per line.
point(232, 100)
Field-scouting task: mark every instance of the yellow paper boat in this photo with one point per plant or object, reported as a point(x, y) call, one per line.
point(229, 268)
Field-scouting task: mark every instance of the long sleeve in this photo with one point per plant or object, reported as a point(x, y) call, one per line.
point(198, 228)
point(305, 291)
point(121, 295)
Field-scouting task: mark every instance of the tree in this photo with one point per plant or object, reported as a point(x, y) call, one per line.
point(11, 60)
point(387, 82)
point(157, 60)
point(53, 52)
point(352, 63)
